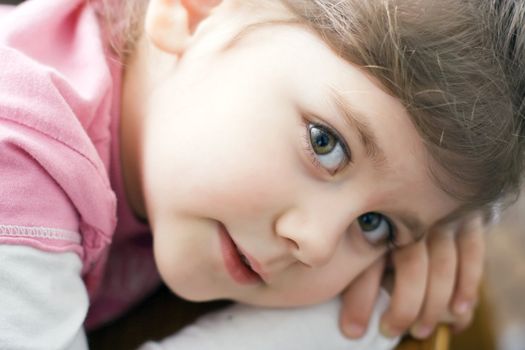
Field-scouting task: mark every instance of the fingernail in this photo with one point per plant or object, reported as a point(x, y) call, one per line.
point(354, 330)
point(462, 307)
point(387, 331)
point(421, 331)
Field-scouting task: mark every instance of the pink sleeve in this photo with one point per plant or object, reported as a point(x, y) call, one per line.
point(55, 112)
point(34, 210)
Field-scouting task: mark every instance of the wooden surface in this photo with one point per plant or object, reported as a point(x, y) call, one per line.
point(440, 340)
point(479, 336)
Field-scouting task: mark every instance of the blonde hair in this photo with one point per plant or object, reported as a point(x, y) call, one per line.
point(456, 65)
point(122, 23)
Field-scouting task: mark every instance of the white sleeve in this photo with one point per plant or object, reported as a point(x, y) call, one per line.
point(241, 327)
point(43, 300)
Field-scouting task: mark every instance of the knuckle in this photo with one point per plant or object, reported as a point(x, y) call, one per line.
point(404, 318)
point(468, 294)
point(443, 269)
point(358, 319)
point(439, 313)
point(428, 318)
point(470, 284)
point(476, 245)
point(434, 312)
point(472, 241)
point(463, 323)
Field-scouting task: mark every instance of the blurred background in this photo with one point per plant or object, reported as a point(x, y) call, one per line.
point(503, 309)
point(505, 278)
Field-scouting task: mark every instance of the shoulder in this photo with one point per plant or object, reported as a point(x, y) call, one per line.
point(56, 100)
point(52, 173)
point(49, 195)
point(53, 55)
point(29, 193)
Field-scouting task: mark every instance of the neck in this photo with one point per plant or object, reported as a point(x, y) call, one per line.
point(139, 79)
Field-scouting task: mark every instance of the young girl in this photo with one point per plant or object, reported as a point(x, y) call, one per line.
point(275, 150)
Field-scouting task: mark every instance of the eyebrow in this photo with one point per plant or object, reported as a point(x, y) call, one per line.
point(418, 230)
point(369, 142)
point(366, 135)
point(415, 227)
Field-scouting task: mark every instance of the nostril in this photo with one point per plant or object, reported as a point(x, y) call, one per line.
point(292, 244)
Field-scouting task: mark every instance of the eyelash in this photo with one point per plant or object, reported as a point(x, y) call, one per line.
point(308, 145)
point(308, 148)
point(391, 242)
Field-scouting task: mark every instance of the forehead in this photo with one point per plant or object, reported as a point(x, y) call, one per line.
point(302, 61)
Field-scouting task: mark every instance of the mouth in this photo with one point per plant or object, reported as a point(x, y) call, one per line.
point(237, 264)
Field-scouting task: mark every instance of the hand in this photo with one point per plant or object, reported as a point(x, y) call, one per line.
point(436, 280)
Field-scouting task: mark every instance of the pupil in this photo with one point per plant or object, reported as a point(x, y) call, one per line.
point(369, 221)
point(322, 141)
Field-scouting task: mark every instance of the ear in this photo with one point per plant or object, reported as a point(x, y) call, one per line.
point(169, 24)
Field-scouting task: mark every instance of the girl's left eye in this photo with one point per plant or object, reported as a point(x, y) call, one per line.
point(328, 149)
point(377, 229)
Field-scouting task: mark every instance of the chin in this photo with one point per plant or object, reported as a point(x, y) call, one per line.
point(290, 300)
point(193, 293)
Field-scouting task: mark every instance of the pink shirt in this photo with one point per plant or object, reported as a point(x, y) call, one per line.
point(59, 110)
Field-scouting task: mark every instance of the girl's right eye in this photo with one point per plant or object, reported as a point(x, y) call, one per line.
point(377, 229)
point(327, 149)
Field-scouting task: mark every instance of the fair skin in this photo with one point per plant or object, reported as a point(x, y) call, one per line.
point(227, 147)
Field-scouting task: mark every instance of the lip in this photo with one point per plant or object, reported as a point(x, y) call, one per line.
point(232, 260)
point(254, 264)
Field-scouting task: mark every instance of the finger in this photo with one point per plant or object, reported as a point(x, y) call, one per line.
point(411, 267)
point(441, 280)
point(471, 253)
point(462, 322)
point(359, 299)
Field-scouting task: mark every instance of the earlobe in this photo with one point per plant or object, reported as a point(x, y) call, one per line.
point(169, 24)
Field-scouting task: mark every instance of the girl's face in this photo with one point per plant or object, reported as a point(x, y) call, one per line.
point(275, 172)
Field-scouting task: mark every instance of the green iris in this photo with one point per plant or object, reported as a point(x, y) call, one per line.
point(370, 221)
point(323, 141)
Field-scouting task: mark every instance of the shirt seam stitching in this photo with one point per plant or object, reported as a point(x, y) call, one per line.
point(39, 232)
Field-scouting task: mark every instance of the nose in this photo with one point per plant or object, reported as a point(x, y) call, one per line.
point(313, 235)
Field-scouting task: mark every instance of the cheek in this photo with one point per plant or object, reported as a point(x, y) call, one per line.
point(353, 259)
point(309, 286)
point(186, 256)
point(220, 159)
point(313, 287)
point(245, 179)
point(244, 191)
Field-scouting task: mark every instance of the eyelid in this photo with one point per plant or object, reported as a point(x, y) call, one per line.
point(396, 244)
point(311, 120)
point(392, 243)
point(339, 136)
